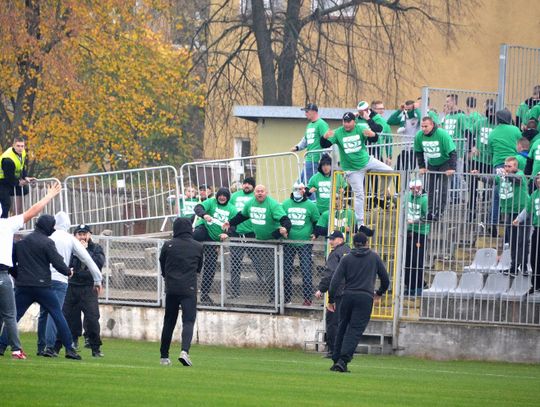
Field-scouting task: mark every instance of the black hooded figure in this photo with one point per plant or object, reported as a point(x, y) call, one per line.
point(33, 257)
point(181, 260)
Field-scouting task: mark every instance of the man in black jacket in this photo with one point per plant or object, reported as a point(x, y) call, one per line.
point(359, 270)
point(33, 257)
point(82, 293)
point(339, 250)
point(181, 260)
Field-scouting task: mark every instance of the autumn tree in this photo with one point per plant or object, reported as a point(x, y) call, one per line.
point(97, 83)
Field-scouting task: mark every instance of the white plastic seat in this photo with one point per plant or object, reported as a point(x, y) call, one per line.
point(505, 261)
point(469, 283)
point(485, 260)
point(496, 285)
point(443, 282)
point(519, 289)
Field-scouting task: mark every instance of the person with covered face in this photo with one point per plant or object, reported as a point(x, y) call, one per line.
point(33, 257)
point(417, 231)
point(181, 259)
point(213, 214)
point(304, 215)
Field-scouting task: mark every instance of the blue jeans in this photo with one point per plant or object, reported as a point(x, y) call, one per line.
point(44, 296)
point(8, 313)
point(310, 169)
point(46, 326)
point(306, 266)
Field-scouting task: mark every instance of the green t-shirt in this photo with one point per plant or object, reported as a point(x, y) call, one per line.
point(219, 213)
point(534, 154)
point(264, 216)
point(187, 206)
point(534, 113)
point(436, 148)
point(314, 131)
point(513, 196)
point(343, 219)
point(481, 130)
point(352, 147)
point(387, 138)
point(522, 161)
point(434, 116)
point(239, 199)
point(417, 210)
point(396, 118)
point(534, 208)
point(323, 185)
point(303, 216)
point(455, 125)
point(502, 143)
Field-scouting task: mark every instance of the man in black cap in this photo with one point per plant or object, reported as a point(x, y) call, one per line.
point(315, 129)
point(205, 192)
point(359, 270)
point(339, 250)
point(82, 293)
point(181, 260)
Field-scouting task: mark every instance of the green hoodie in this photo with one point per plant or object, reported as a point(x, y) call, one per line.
point(502, 143)
point(220, 214)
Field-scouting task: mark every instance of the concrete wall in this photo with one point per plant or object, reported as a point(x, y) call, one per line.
point(445, 341)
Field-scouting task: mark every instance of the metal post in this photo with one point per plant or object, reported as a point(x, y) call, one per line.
point(425, 101)
point(222, 277)
point(278, 261)
point(159, 245)
point(503, 53)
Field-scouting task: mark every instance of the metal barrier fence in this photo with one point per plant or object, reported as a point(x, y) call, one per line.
point(464, 258)
point(519, 78)
point(131, 274)
point(277, 172)
point(121, 196)
point(24, 197)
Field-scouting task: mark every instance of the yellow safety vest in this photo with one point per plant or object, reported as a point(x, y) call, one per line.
point(18, 160)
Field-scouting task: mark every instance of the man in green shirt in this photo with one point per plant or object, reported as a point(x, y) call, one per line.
point(244, 229)
point(502, 143)
point(408, 119)
point(213, 214)
point(351, 140)
point(417, 231)
point(303, 214)
point(315, 129)
point(514, 197)
point(533, 209)
point(269, 222)
point(320, 184)
point(435, 145)
point(188, 203)
point(386, 137)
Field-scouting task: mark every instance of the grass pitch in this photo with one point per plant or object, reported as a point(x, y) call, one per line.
point(130, 375)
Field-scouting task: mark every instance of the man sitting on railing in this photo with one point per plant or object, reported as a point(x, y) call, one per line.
point(13, 174)
point(214, 213)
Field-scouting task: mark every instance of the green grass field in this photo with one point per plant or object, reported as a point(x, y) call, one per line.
point(130, 374)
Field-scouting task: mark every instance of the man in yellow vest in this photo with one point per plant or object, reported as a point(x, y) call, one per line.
point(13, 174)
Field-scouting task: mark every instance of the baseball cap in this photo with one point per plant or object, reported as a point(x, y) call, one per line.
point(310, 106)
point(336, 234)
point(360, 238)
point(82, 228)
point(362, 105)
point(347, 117)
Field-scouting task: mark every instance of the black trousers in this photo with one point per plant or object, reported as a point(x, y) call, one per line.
point(354, 316)
point(332, 322)
point(189, 313)
point(437, 182)
point(83, 299)
point(5, 200)
point(414, 260)
point(210, 259)
point(237, 255)
point(535, 258)
point(473, 184)
point(518, 238)
point(406, 160)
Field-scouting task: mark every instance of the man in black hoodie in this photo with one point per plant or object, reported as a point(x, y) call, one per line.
point(214, 213)
point(359, 270)
point(181, 260)
point(33, 257)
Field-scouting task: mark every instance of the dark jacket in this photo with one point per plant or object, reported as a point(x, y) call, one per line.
point(35, 253)
point(332, 263)
point(359, 270)
point(8, 167)
point(181, 259)
point(81, 274)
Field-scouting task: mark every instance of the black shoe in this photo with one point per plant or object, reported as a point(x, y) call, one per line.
point(50, 353)
point(341, 366)
point(365, 230)
point(97, 354)
point(39, 353)
point(2, 351)
point(71, 354)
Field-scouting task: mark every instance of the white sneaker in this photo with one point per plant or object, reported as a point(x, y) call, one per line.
point(184, 359)
point(165, 362)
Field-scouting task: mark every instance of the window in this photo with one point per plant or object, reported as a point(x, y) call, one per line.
point(271, 6)
point(347, 12)
point(242, 147)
